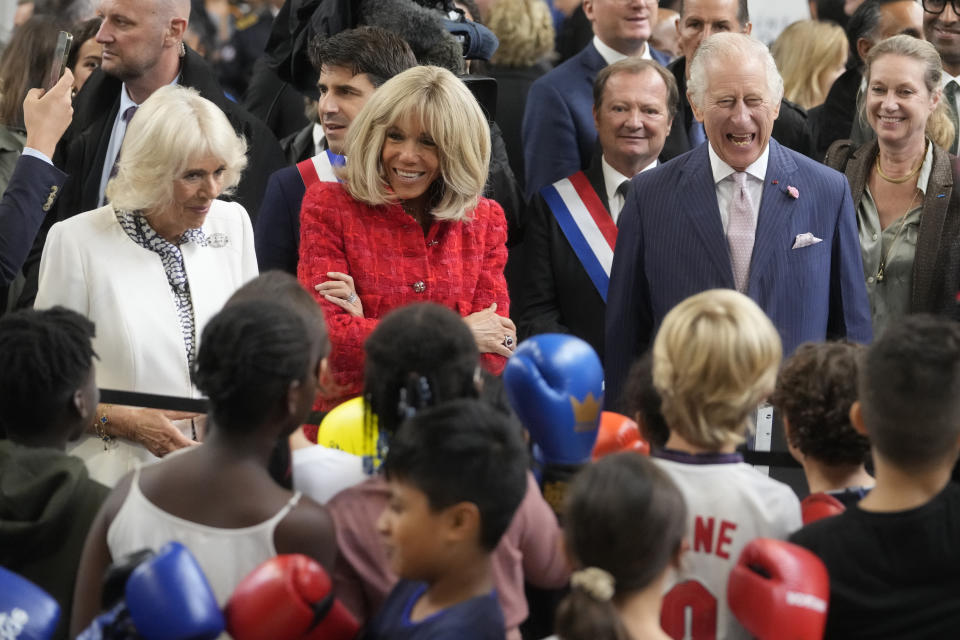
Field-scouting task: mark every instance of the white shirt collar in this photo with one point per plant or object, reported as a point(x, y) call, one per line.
point(721, 170)
point(925, 170)
point(613, 178)
point(611, 55)
point(126, 101)
point(945, 78)
point(319, 138)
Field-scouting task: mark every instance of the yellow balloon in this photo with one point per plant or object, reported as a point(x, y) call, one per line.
point(342, 429)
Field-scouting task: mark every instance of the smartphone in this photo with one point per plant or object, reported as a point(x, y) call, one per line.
point(64, 41)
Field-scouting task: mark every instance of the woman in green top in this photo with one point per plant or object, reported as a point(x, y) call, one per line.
point(908, 211)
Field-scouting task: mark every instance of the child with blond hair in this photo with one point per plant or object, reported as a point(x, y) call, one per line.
point(715, 359)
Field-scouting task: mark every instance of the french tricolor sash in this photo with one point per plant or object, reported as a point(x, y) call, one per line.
point(587, 225)
point(319, 168)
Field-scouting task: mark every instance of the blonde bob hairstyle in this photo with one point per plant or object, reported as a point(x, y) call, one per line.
point(448, 113)
point(525, 31)
point(174, 128)
point(806, 52)
point(939, 126)
point(715, 359)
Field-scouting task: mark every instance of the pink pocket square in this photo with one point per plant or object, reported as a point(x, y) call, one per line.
point(805, 240)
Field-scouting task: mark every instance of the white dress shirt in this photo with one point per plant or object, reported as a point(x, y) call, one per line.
point(611, 55)
point(723, 181)
point(611, 180)
point(319, 139)
point(39, 155)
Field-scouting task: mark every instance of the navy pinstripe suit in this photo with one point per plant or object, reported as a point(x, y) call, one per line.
point(671, 245)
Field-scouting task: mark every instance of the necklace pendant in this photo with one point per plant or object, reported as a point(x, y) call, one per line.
point(880, 275)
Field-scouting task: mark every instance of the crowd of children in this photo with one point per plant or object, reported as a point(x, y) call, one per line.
point(439, 542)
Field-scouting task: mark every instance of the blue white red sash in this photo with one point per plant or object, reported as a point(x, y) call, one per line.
point(587, 225)
point(320, 167)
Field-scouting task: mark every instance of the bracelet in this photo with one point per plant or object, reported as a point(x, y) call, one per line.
point(99, 427)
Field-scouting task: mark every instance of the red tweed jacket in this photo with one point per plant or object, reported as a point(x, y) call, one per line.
point(458, 264)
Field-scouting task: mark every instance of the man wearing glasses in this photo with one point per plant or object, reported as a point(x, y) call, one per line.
point(941, 26)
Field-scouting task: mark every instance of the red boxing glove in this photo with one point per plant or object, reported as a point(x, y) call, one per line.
point(817, 506)
point(618, 433)
point(779, 590)
point(288, 597)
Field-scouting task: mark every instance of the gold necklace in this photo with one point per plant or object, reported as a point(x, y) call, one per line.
point(903, 221)
point(903, 179)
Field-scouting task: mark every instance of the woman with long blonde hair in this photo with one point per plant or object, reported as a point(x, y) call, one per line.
point(908, 210)
point(810, 56)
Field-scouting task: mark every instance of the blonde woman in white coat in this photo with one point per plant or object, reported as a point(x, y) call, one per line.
point(151, 267)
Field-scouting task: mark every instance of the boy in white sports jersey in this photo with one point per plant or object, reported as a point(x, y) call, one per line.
point(715, 359)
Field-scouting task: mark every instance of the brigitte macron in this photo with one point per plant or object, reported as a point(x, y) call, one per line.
point(151, 268)
point(408, 223)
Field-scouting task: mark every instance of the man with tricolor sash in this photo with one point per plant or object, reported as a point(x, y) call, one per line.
point(572, 223)
point(352, 65)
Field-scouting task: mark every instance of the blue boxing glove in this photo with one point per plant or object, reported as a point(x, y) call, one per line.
point(169, 598)
point(27, 612)
point(555, 384)
point(115, 624)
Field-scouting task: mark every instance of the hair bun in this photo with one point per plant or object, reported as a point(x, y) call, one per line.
point(595, 582)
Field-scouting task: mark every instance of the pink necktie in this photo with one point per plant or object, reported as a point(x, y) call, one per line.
point(740, 230)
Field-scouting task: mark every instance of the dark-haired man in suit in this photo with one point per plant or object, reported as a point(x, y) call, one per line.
point(572, 224)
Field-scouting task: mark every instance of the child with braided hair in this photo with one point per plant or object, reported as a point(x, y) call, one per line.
point(47, 396)
point(419, 357)
point(259, 364)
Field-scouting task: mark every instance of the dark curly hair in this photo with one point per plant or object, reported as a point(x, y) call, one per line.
point(45, 356)
point(640, 396)
point(249, 354)
point(418, 356)
point(814, 391)
point(279, 287)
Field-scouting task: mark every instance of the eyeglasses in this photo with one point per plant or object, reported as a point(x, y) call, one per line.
point(937, 6)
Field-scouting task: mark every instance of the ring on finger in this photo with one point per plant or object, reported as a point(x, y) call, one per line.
point(352, 297)
point(508, 342)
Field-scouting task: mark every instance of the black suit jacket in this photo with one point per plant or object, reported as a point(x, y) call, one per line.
point(789, 129)
point(559, 295)
point(83, 149)
point(513, 84)
point(833, 120)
